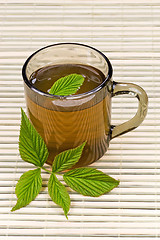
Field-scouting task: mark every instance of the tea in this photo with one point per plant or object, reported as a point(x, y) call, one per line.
point(65, 124)
point(44, 78)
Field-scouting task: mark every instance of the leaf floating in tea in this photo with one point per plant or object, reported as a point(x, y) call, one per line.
point(67, 85)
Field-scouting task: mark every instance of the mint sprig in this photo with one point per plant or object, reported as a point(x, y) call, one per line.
point(86, 181)
point(67, 85)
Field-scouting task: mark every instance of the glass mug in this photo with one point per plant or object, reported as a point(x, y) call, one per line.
point(66, 122)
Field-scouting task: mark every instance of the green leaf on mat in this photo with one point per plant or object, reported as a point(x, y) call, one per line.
point(89, 181)
point(27, 188)
point(67, 159)
point(58, 193)
point(32, 147)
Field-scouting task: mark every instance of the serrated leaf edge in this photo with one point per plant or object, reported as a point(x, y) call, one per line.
point(18, 198)
point(61, 168)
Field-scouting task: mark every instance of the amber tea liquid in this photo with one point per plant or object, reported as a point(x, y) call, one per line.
point(65, 124)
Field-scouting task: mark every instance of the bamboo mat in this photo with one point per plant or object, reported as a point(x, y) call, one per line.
point(128, 32)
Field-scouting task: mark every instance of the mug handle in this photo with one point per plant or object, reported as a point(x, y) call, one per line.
point(140, 94)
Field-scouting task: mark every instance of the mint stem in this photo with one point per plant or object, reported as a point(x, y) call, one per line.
point(46, 170)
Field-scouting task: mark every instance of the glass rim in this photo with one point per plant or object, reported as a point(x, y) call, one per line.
point(78, 96)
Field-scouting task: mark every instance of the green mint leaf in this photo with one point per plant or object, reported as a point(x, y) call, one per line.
point(67, 159)
point(27, 188)
point(58, 193)
point(32, 147)
point(89, 181)
point(67, 85)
